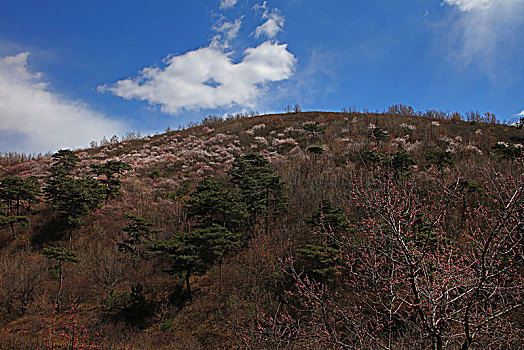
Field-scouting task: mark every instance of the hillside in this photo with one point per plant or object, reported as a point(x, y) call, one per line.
point(308, 230)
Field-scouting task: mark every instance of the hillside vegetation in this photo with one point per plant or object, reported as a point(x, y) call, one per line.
point(292, 231)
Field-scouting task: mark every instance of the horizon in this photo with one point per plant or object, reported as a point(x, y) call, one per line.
point(74, 73)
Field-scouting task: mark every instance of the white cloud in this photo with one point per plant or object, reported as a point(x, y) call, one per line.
point(521, 114)
point(227, 4)
point(226, 32)
point(273, 24)
point(484, 33)
point(208, 78)
point(33, 119)
point(469, 5)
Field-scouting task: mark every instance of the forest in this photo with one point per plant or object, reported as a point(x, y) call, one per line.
point(301, 230)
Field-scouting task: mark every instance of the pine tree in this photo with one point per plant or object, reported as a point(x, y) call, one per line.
point(61, 255)
point(11, 221)
point(138, 232)
point(440, 159)
point(263, 191)
point(15, 191)
point(76, 198)
point(195, 252)
point(213, 203)
point(316, 150)
point(109, 174)
point(71, 197)
point(314, 129)
point(320, 258)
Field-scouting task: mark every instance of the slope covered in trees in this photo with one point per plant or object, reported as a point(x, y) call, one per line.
point(300, 230)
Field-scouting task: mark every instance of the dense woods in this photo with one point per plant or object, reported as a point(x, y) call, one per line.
point(304, 230)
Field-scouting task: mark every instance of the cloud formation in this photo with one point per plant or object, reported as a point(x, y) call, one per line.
point(521, 114)
point(33, 119)
point(481, 30)
point(469, 5)
point(208, 78)
point(273, 24)
point(227, 4)
point(226, 32)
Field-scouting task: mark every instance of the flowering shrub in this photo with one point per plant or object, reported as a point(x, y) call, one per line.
point(62, 331)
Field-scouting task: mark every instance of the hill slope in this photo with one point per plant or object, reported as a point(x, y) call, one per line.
point(397, 230)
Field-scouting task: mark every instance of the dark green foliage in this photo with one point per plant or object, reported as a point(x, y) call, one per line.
point(320, 259)
point(314, 128)
point(315, 150)
point(61, 255)
point(65, 160)
point(401, 162)
point(76, 198)
point(426, 237)
point(372, 156)
point(109, 175)
point(16, 191)
point(262, 190)
point(155, 174)
point(440, 159)
point(138, 232)
point(213, 203)
point(166, 325)
point(467, 187)
point(508, 151)
point(11, 221)
point(71, 197)
point(328, 218)
point(193, 253)
point(131, 307)
point(379, 135)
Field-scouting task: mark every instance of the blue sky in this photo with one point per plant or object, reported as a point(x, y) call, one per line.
point(75, 71)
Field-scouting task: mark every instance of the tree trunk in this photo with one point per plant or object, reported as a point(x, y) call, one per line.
point(267, 211)
point(188, 286)
point(437, 342)
point(60, 283)
point(13, 230)
point(220, 276)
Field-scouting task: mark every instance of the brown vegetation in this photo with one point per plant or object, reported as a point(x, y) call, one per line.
point(383, 170)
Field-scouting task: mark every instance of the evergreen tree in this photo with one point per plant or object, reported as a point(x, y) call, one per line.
point(314, 129)
point(193, 253)
point(316, 150)
point(138, 232)
point(11, 221)
point(467, 188)
point(262, 190)
point(15, 191)
point(378, 135)
point(401, 162)
point(440, 159)
point(213, 203)
point(109, 175)
point(64, 162)
point(328, 218)
point(75, 199)
point(320, 259)
point(71, 197)
point(61, 255)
